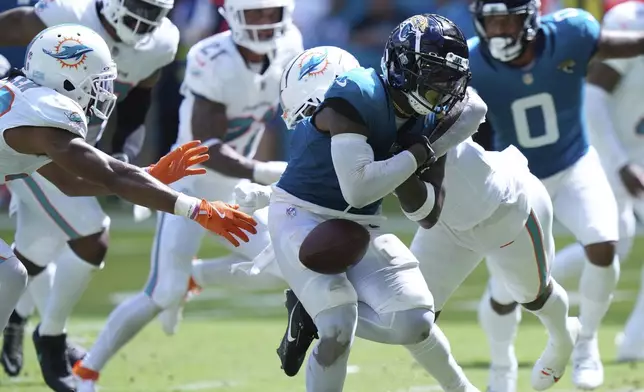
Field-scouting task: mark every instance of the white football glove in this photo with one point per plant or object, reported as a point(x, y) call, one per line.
point(268, 172)
point(251, 196)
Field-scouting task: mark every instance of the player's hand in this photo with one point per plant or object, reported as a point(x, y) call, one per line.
point(179, 163)
point(251, 196)
point(418, 145)
point(632, 177)
point(224, 219)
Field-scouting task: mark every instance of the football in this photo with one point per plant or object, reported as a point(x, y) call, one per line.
point(334, 246)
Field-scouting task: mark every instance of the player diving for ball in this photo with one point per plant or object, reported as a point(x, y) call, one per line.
point(614, 116)
point(530, 71)
point(341, 166)
point(231, 91)
point(43, 118)
point(51, 226)
point(491, 207)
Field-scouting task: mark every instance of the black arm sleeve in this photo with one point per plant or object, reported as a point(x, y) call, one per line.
point(131, 114)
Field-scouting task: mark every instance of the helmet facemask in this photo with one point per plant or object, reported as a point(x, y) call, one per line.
point(98, 90)
point(260, 38)
point(506, 47)
point(439, 82)
point(135, 20)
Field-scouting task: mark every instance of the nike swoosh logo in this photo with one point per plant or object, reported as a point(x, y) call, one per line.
point(7, 363)
point(221, 214)
point(341, 83)
point(289, 337)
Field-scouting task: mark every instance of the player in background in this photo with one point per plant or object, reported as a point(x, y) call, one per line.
point(231, 90)
point(614, 116)
point(530, 71)
point(44, 124)
point(74, 231)
point(341, 166)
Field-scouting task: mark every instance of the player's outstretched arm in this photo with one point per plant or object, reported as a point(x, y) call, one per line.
point(362, 179)
point(210, 124)
point(614, 44)
point(19, 26)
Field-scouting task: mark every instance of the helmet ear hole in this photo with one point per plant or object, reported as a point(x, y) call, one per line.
point(68, 86)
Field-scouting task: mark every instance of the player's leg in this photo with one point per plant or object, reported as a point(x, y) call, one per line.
point(444, 265)
point(82, 223)
point(330, 299)
point(585, 204)
point(232, 270)
point(631, 341)
point(13, 281)
point(521, 273)
point(176, 242)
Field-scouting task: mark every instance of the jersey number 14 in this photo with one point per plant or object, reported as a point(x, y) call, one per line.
point(546, 104)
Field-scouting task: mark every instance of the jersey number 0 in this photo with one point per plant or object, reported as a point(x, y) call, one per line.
point(546, 104)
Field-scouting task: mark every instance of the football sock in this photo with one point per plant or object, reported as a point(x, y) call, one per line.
point(635, 324)
point(501, 331)
point(25, 307)
point(38, 292)
point(123, 323)
point(13, 281)
point(434, 355)
point(596, 289)
point(70, 281)
point(554, 314)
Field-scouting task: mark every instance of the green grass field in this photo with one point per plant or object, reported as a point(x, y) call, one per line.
point(228, 340)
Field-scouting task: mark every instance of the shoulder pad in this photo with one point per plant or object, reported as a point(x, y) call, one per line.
point(57, 111)
point(166, 42)
point(55, 12)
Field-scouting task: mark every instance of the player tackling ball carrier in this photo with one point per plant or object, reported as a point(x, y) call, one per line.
point(43, 118)
point(530, 71)
point(51, 226)
point(509, 220)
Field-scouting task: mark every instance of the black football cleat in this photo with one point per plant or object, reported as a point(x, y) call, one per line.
point(12, 345)
point(75, 353)
point(299, 335)
point(52, 355)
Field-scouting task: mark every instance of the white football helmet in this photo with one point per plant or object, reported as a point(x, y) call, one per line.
point(76, 62)
point(247, 35)
point(135, 20)
point(307, 77)
point(625, 16)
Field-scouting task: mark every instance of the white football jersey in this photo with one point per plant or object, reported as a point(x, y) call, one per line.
point(134, 64)
point(23, 103)
point(477, 182)
point(216, 71)
point(626, 100)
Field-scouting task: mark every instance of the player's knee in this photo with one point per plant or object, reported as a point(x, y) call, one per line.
point(91, 248)
point(169, 292)
point(601, 254)
point(413, 326)
point(32, 269)
point(13, 275)
point(336, 329)
point(541, 299)
point(502, 309)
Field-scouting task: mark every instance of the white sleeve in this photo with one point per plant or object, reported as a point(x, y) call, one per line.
point(201, 77)
point(55, 12)
point(602, 131)
point(363, 180)
point(621, 66)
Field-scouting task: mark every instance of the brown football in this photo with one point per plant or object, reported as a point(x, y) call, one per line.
point(334, 246)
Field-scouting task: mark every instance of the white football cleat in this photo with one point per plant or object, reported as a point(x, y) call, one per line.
point(588, 370)
point(85, 378)
point(503, 379)
point(551, 366)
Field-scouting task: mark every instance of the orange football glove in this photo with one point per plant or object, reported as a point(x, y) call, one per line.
point(178, 163)
point(224, 219)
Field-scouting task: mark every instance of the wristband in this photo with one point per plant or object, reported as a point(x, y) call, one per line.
point(187, 206)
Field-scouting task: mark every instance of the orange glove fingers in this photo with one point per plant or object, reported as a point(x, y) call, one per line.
point(195, 160)
point(193, 172)
point(230, 238)
point(235, 230)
